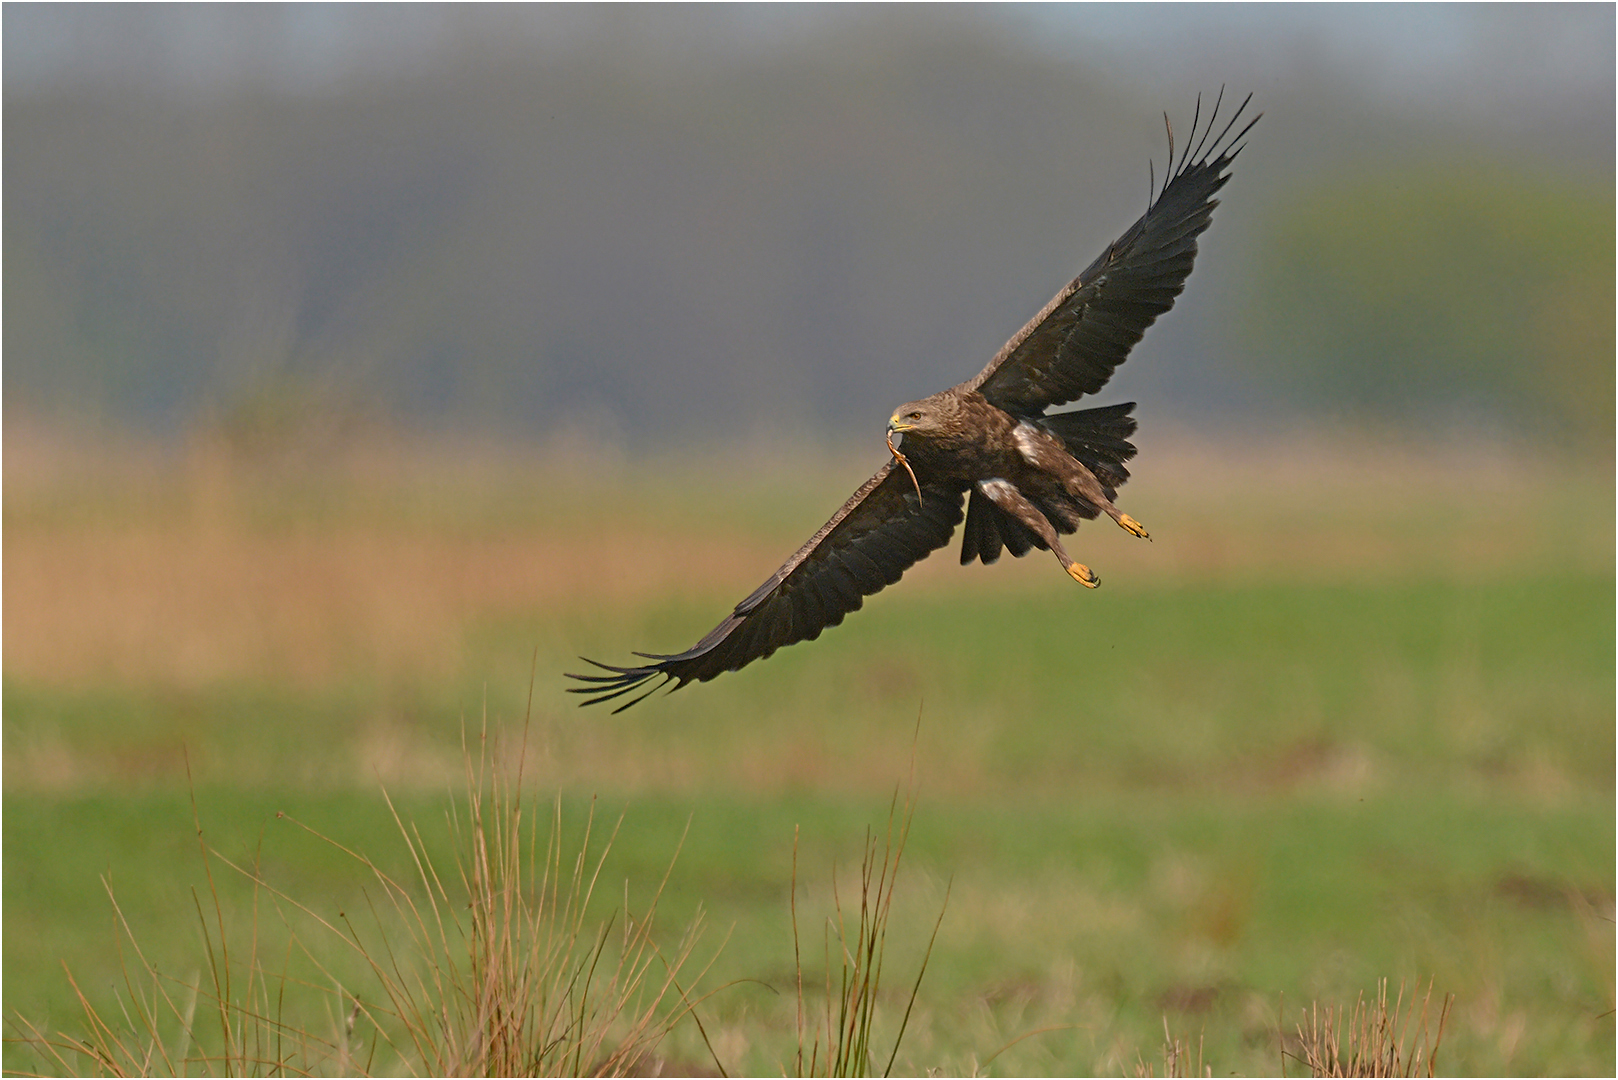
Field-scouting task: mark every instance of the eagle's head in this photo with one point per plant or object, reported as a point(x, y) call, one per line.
point(928, 417)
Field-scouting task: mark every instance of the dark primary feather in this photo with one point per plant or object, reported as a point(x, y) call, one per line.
point(1076, 341)
point(879, 533)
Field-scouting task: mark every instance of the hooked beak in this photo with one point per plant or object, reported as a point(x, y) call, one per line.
point(897, 425)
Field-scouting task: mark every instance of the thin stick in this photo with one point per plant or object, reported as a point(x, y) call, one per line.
point(902, 460)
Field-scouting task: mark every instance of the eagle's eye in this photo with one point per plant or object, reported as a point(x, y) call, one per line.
point(913, 416)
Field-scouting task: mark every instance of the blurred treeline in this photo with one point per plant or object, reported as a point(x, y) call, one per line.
point(660, 243)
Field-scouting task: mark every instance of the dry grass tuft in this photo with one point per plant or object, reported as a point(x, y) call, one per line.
point(1177, 1058)
point(841, 1044)
point(1373, 1040)
point(497, 968)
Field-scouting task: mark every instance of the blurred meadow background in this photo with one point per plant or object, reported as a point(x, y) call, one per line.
point(365, 366)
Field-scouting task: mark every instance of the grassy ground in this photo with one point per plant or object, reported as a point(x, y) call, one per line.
point(1359, 727)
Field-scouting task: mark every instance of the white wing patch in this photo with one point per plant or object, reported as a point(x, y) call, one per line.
point(996, 488)
point(1029, 442)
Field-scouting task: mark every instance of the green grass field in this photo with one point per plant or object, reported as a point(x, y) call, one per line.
point(1354, 733)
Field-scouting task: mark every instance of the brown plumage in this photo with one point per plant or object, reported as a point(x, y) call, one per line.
point(1028, 477)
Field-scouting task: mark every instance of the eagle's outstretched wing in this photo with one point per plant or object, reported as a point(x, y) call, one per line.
point(879, 533)
point(1072, 346)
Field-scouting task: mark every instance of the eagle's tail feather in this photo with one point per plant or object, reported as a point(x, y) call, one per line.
point(1099, 439)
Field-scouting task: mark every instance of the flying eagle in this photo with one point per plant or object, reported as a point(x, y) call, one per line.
point(1027, 477)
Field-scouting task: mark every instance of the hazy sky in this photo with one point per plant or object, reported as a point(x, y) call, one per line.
point(1507, 62)
point(564, 206)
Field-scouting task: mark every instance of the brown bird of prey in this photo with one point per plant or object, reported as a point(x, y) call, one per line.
point(1028, 477)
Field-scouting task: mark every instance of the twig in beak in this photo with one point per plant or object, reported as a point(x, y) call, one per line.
point(901, 460)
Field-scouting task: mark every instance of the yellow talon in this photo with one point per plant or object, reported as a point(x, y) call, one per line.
point(1081, 573)
point(1133, 526)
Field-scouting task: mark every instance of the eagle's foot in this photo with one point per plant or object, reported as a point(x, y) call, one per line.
point(1133, 527)
point(1083, 575)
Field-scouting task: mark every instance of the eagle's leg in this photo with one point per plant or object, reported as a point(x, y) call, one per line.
point(1004, 495)
point(1080, 481)
point(1045, 452)
point(1075, 570)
